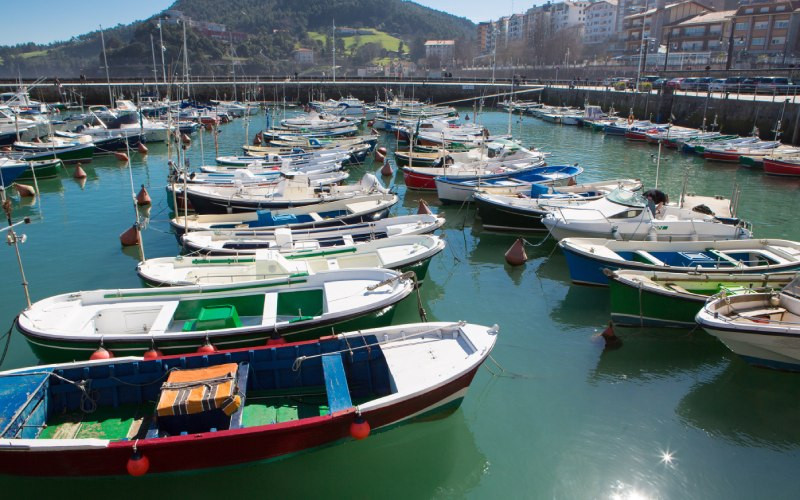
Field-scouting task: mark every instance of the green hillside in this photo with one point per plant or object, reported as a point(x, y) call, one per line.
point(273, 29)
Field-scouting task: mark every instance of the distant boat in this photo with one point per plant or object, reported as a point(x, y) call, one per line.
point(235, 407)
point(459, 189)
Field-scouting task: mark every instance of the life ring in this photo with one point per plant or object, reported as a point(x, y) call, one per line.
point(630, 120)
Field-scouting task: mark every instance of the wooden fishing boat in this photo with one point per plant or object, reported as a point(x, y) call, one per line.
point(261, 408)
point(664, 299)
point(762, 328)
point(82, 153)
point(181, 319)
point(248, 241)
point(625, 215)
point(732, 153)
point(782, 166)
point(333, 213)
point(588, 257)
point(23, 170)
point(418, 158)
point(295, 192)
point(424, 178)
point(403, 253)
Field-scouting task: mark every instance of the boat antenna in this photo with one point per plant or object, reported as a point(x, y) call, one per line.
point(14, 239)
point(105, 63)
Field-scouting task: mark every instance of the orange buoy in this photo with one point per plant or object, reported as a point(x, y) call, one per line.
point(186, 139)
point(423, 208)
point(130, 237)
point(119, 155)
point(207, 348)
point(24, 190)
point(208, 126)
point(359, 428)
point(138, 464)
point(143, 198)
point(101, 353)
point(516, 255)
point(152, 353)
point(79, 172)
point(142, 148)
point(386, 169)
point(378, 156)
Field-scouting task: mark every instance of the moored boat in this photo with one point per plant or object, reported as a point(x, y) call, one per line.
point(665, 299)
point(351, 384)
point(182, 319)
point(762, 328)
point(588, 257)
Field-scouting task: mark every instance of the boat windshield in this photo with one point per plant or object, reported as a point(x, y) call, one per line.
point(793, 288)
point(627, 198)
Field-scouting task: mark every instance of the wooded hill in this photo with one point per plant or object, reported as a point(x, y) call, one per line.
point(274, 29)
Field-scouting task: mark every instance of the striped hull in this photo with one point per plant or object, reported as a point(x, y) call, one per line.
point(732, 157)
point(778, 167)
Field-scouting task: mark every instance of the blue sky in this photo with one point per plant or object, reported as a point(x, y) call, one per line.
point(56, 20)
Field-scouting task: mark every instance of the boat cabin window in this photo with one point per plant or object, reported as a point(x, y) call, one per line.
point(627, 214)
point(792, 289)
point(627, 198)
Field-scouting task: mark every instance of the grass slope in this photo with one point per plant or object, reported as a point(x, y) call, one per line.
point(353, 42)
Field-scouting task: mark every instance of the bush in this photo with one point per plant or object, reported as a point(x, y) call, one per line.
point(645, 86)
point(620, 86)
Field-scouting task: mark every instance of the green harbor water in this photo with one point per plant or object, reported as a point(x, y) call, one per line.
point(670, 414)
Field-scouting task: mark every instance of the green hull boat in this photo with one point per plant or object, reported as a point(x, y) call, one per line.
point(661, 299)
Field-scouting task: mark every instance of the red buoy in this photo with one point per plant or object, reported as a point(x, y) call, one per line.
point(379, 156)
point(79, 172)
point(101, 353)
point(275, 339)
point(257, 141)
point(208, 126)
point(142, 148)
point(610, 338)
point(138, 464)
point(516, 255)
point(359, 428)
point(119, 155)
point(207, 348)
point(152, 353)
point(130, 237)
point(386, 169)
point(423, 208)
point(370, 123)
point(143, 198)
point(24, 190)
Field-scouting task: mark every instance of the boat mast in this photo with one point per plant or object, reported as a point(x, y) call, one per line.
point(105, 62)
point(186, 61)
point(233, 69)
point(155, 69)
point(333, 68)
point(163, 49)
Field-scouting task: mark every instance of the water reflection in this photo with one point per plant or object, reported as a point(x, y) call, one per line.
point(747, 406)
point(657, 353)
point(419, 460)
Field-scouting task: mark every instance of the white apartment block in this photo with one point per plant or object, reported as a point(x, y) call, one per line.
point(568, 14)
point(601, 21)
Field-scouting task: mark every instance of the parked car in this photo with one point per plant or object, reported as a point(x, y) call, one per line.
point(748, 85)
point(675, 83)
point(717, 85)
point(688, 84)
point(703, 83)
point(774, 85)
point(732, 83)
point(660, 83)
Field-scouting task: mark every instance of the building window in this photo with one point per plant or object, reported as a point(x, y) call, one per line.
point(761, 25)
point(778, 40)
point(781, 24)
point(742, 26)
point(780, 8)
point(748, 11)
point(757, 42)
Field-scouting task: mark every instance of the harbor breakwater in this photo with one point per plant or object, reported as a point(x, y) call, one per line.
point(731, 113)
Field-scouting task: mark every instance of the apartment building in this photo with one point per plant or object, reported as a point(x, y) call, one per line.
point(767, 28)
point(654, 19)
point(568, 14)
point(708, 32)
point(601, 21)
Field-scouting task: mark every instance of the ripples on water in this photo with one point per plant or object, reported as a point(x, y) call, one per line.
point(570, 420)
